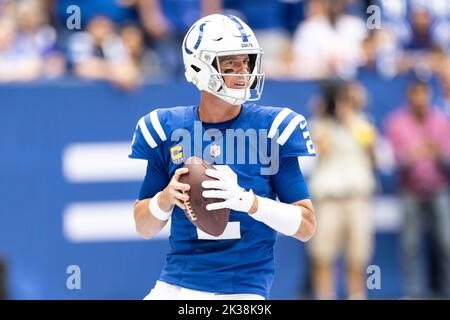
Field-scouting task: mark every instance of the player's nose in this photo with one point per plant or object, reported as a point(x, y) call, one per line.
point(242, 68)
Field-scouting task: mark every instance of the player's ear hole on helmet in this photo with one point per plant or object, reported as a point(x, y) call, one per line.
point(252, 62)
point(215, 65)
point(251, 66)
point(196, 69)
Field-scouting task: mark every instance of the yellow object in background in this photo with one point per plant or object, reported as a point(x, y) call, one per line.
point(364, 133)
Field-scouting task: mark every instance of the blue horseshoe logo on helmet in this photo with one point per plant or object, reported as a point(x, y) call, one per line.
point(244, 35)
point(199, 40)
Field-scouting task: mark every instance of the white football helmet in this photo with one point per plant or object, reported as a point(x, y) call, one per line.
point(219, 35)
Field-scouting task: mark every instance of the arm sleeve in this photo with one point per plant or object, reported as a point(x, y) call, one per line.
point(155, 180)
point(289, 183)
point(148, 137)
point(146, 144)
point(289, 130)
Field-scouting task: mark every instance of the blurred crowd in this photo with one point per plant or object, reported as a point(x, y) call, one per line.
point(343, 184)
point(128, 42)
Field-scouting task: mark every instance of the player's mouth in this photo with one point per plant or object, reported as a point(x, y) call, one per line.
point(239, 84)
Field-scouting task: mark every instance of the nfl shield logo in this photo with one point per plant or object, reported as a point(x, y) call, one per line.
point(215, 150)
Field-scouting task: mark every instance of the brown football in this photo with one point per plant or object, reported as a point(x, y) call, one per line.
point(212, 222)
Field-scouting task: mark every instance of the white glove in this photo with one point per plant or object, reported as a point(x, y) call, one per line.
point(235, 197)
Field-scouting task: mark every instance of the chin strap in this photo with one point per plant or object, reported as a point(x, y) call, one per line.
point(234, 96)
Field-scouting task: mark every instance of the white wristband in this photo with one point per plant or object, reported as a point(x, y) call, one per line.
point(282, 217)
point(156, 211)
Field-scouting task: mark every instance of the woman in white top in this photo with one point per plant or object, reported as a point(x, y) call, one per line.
point(342, 184)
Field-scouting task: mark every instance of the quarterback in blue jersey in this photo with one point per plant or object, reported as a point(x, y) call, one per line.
point(255, 150)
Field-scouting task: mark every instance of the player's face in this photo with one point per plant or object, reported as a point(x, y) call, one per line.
point(235, 64)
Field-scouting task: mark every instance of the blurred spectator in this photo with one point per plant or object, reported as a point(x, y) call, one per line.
point(118, 11)
point(379, 53)
point(420, 37)
point(369, 52)
point(418, 45)
point(100, 54)
point(27, 43)
point(358, 7)
point(166, 23)
point(328, 42)
point(144, 59)
point(7, 8)
point(273, 22)
point(417, 23)
point(420, 29)
point(16, 63)
point(420, 135)
point(36, 35)
point(342, 184)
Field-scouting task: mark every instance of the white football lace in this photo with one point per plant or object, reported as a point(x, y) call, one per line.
point(189, 211)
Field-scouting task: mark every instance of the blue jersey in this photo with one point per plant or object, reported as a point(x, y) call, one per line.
point(264, 160)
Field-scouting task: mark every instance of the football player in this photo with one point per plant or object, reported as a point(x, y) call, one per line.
point(223, 59)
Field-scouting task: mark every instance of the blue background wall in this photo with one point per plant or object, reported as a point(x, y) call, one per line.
point(37, 121)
